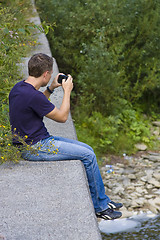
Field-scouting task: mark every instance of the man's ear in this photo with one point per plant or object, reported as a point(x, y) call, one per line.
point(45, 74)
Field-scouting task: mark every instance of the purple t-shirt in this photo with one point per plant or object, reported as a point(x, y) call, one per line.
point(27, 107)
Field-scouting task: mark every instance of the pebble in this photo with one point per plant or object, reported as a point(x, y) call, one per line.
point(156, 175)
point(131, 176)
point(135, 184)
point(154, 182)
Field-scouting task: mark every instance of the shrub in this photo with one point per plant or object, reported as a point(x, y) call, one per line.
point(16, 40)
point(112, 50)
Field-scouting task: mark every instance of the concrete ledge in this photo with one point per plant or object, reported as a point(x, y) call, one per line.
point(46, 200)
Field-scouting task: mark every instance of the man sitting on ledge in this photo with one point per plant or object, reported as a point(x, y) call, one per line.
point(28, 106)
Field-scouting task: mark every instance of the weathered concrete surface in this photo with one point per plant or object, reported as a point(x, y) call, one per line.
point(47, 200)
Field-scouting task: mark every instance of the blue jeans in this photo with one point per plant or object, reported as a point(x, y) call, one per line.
point(58, 148)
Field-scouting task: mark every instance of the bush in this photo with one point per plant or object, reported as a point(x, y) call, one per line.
point(112, 50)
point(16, 40)
point(115, 134)
point(98, 44)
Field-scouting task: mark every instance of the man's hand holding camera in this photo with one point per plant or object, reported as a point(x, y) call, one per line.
point(62, 80)
point(67, 84)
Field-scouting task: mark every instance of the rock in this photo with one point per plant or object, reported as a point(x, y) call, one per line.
point(154, 182)
point(119, 171)
point(154, 153)
point(132, 176)
point(149, 196)
point(126, 213)
point(156, 175)
point(140, 201)
point(141, 146)
point(108, 184)
point(144, 179)
point(129, 171)
point(126, 181)
point(135, 195)
point(130, 187)
point(145, 156)
point(120, 165)
point(152, 205)
point(139, 184)
point(152, 208)
point(141, 190)
point(157, 201)
point(157, 192)
point(149, 173)
point(149, 186)
point(134, 204)
point(136, 184)
point(156, 123)
point(156, 131)
point(119, 190)
point(154, 158)
point(139, 174)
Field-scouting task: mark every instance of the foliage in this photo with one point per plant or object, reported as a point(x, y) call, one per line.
point(16, 40)
point(7, 151)
point(115, 134)
point(114, 43)
point(112, 50)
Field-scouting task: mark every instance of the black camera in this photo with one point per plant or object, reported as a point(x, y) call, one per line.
point(61, 77)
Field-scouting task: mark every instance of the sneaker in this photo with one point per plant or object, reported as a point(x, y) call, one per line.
point(109, 214)
point(114, 205)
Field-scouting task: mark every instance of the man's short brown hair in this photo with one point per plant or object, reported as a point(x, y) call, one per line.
point(39, 63)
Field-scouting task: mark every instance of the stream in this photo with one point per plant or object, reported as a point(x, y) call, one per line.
point(135, 228)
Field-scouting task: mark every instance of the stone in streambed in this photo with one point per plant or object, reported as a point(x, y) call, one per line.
point(141, 146)
point(154, 182)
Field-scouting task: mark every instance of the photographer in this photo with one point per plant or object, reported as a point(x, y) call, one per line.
point(28, 106)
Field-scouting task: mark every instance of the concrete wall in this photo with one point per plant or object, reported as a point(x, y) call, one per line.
point(46, 200)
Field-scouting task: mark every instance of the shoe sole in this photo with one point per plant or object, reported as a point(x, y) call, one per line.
point(106, 217)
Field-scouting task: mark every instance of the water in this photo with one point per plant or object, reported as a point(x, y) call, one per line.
point(136, 228)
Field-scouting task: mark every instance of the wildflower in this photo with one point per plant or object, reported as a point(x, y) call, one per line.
point(9, 144)
point(2, 157)
point(26, 136)
point(14, 129)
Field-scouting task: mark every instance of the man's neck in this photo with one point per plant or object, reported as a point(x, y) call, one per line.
point(35, 82)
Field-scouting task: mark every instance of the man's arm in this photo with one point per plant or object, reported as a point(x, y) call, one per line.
point(61, 115)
